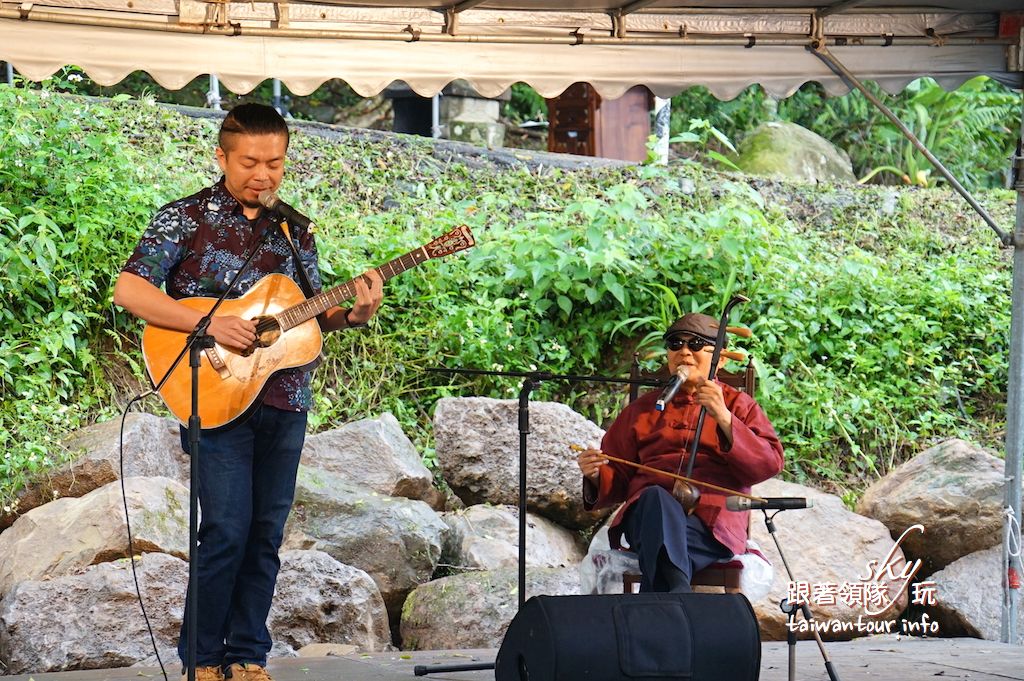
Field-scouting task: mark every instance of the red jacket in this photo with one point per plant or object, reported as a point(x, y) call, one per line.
point(659, 439)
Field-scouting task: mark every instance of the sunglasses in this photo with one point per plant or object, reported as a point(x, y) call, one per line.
point(695, 344)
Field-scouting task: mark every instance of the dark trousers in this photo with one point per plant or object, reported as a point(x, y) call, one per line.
point(246, 487)
point(665, 538)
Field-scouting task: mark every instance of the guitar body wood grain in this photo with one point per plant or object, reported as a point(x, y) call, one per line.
point(229, 393)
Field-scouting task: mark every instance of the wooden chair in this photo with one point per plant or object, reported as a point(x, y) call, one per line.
point(725, 574)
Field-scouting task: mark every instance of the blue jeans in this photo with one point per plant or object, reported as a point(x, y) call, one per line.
point(246, 488)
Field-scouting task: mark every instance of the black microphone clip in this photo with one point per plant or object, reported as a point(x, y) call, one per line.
point(735, 503)
point(271, 201)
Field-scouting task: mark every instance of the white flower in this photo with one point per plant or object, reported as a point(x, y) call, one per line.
point(56, 494)
point(31, 458)
point(510, 348)
point(44, 94)
point(75, 77)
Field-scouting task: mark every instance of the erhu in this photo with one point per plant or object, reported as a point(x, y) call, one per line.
point(684, 488)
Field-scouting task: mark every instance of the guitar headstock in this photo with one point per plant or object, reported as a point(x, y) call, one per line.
point(459, 239)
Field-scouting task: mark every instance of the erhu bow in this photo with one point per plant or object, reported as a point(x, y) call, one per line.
point(674, 476)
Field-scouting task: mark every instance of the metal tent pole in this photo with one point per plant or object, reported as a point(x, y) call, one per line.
point(435, 116)
point(1014, 417)
point(820, 51)
point(213, 94)
point(662, 132)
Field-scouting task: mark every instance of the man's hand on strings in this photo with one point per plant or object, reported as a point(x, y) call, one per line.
point(369, 294)
point(709, 395)
point(233, 332)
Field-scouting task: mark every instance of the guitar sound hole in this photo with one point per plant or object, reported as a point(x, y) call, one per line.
point(268, 331)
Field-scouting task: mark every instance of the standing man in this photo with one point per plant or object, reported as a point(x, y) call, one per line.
point(738, 448)
point(195, 247)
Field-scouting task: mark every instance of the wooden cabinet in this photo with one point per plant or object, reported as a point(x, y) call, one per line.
point(582, 122)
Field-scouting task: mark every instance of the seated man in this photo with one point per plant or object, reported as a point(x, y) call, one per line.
point(738, 448)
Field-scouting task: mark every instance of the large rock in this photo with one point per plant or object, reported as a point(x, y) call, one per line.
point(477, 441)
point(319, 600)
point(787, 150)
point(396, 541)
point(473, 610)
point(373, 453)
point(152, 447)
point(92, 620)
point(487, 538)
point(954, 489)
point(72, 533)
point(827, 547)
point(969, 596)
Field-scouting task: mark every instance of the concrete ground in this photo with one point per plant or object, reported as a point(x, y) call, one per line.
point(874, 659)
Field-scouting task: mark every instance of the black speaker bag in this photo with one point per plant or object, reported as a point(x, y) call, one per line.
point(649, 636)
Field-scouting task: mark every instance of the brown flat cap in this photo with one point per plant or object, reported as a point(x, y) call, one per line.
point(696, 324)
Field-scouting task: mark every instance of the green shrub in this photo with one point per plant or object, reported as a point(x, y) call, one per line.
point(877, 328)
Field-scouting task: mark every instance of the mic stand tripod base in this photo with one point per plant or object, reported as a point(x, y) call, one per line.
point(769, 523)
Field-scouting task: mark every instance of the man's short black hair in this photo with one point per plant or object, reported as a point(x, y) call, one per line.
point(251, 119)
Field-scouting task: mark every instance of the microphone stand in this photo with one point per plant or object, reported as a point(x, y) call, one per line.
point(791, 608)
point(197, 341)
point(531, 380)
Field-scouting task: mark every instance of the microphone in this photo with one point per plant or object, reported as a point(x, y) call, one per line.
point(769, 504)
point(269, 199)
point(678, 378)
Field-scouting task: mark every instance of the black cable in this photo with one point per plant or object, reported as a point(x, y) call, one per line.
point(131, 545)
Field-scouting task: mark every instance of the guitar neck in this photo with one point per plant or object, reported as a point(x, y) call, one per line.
point(325, 300)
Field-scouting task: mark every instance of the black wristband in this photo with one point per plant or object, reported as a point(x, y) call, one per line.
point(350, 325)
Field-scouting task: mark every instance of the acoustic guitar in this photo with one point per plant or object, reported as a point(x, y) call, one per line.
point(287, 336)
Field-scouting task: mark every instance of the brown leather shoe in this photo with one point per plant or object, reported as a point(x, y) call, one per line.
point(206, 674)
point(246, 672)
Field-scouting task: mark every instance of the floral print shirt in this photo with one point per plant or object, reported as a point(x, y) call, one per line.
point(195, 246)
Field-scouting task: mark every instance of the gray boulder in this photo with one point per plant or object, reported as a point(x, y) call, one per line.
point(92, 620)
point(152, 447)
point(71, 533)
point(321, 601)
point(968, 597)
point(487, 538)
point(473, 610)
point(954, 489)
point(396, 541)
point(787, 150)
point(477, 441)
point(372, 453)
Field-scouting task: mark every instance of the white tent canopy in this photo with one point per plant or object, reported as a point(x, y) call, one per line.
point(667, 45)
